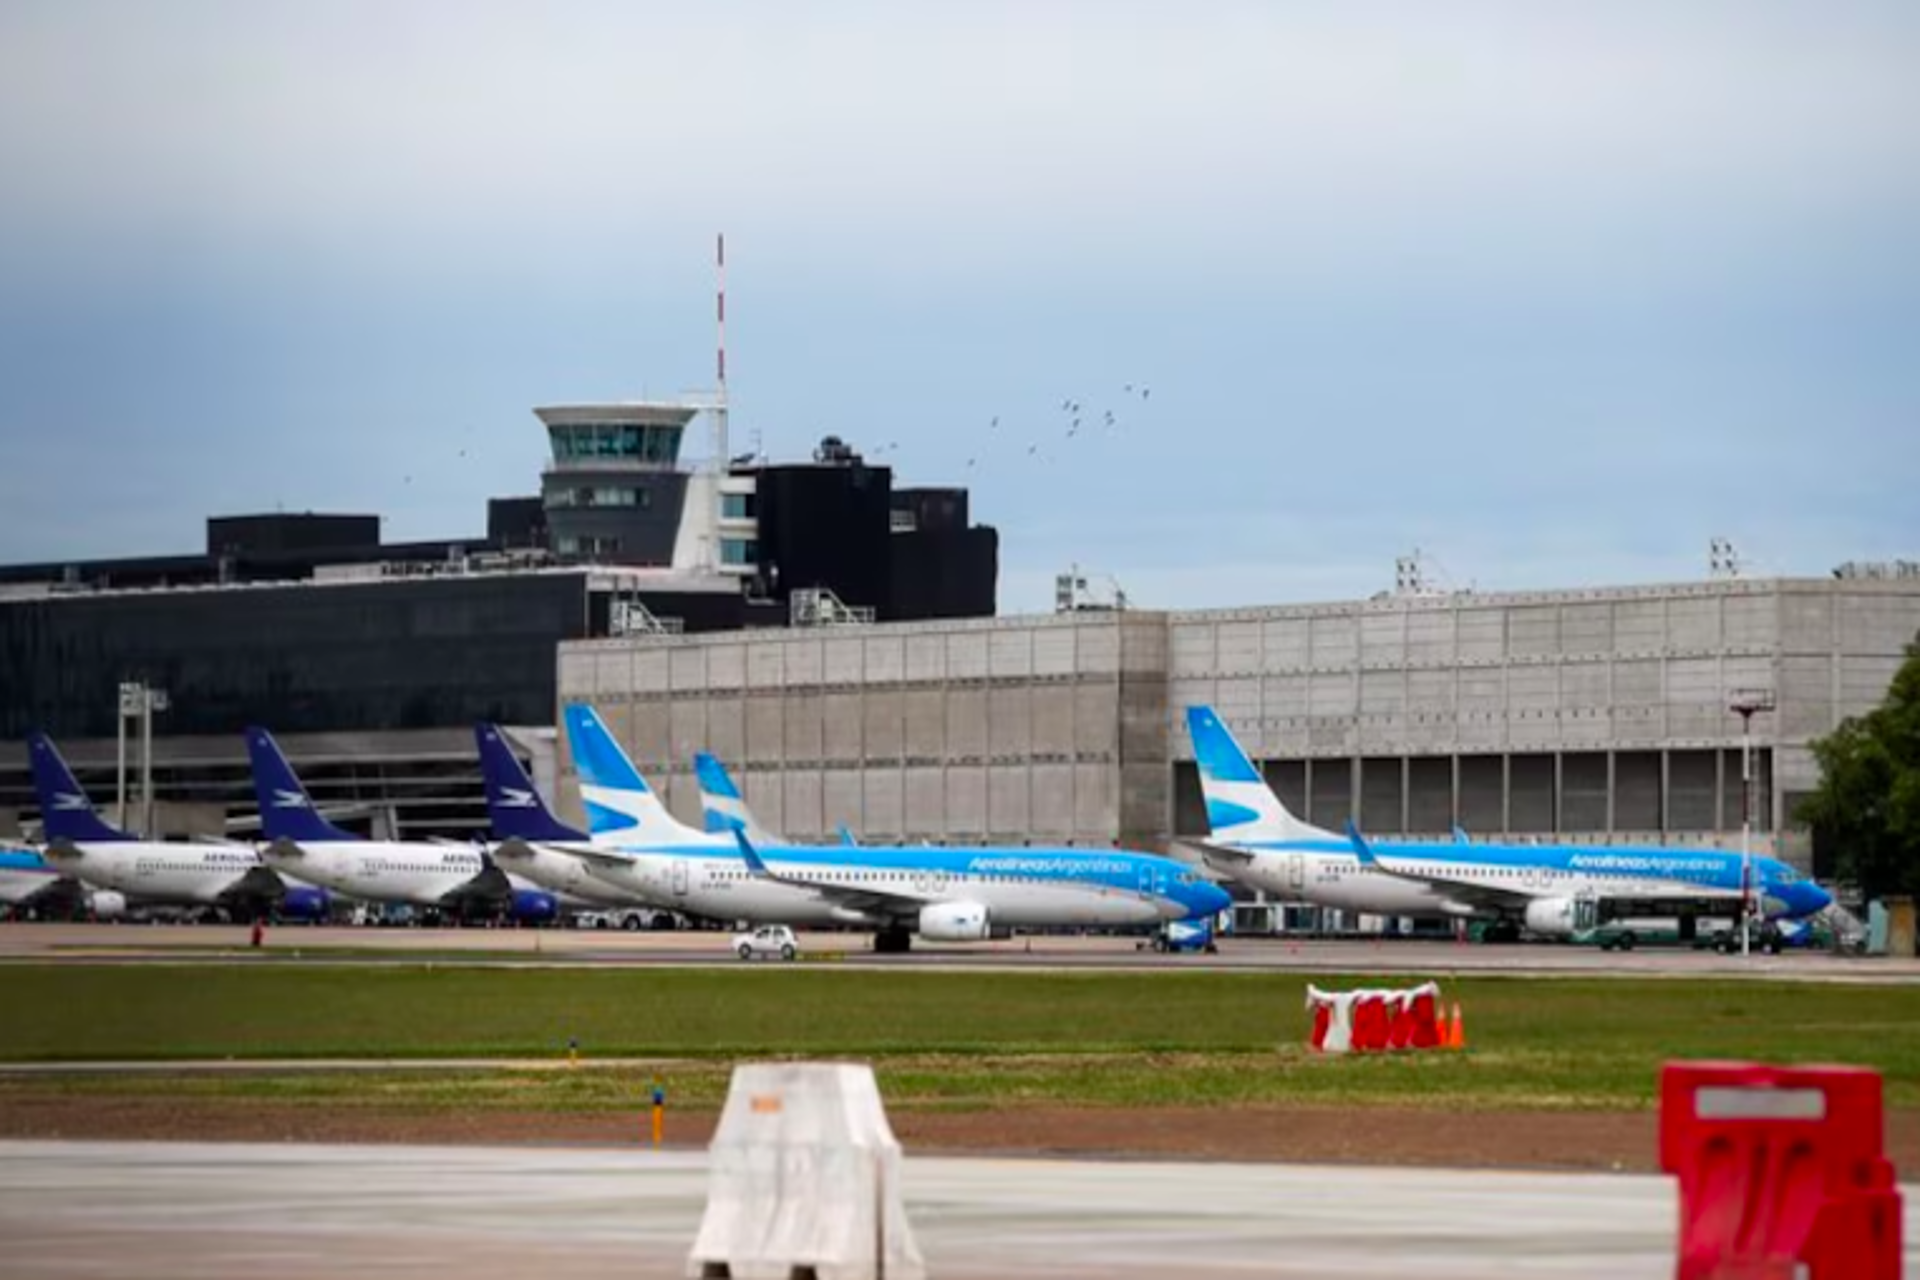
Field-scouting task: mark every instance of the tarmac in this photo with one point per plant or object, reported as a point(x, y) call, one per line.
point(216, 944)
point(223, 1212)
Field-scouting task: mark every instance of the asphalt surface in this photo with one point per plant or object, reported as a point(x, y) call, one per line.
point(135, 943)
point(83, 1210)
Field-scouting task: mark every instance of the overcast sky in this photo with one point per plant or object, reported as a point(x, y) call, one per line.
point(1555, 292)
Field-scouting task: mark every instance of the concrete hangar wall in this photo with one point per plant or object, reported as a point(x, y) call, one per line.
point(1593, 714)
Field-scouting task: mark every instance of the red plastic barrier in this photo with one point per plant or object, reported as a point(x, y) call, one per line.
point(1322, 1017)
point(1400, 1020)
point(1425, 1017)
point(1779, 1166)
point(1370, 1022)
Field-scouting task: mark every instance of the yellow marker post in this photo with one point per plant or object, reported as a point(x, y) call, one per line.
point(573, 1051)
point(659, 1111)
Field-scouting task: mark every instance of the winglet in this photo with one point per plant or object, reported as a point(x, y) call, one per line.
point(754, 864)
point(286, 810)
point(846, 837)
point(1361, 849)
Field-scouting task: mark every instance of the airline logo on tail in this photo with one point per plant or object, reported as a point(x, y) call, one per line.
point(67, 802)
point(515, 798)
point(289, 800)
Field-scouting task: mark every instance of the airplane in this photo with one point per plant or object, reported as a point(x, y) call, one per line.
point(1554, 891)
point(28, 881)
point(442, 877)
point(526, 831)
point(218, 873)
point(940, 894)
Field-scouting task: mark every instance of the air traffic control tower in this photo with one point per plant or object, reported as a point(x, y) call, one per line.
point(615, 491)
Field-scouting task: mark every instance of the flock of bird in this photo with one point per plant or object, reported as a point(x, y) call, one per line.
point(1074, 414)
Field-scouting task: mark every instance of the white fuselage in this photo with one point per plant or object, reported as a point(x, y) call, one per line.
point(421, 875)
point(156, 871)
point(556, 872)
point(723, 888)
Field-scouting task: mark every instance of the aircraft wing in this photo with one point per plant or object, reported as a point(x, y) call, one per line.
point(867, 901)
point(1225, 857)
point(610, 859)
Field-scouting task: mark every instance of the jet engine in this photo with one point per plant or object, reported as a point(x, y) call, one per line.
point(955, 922)
point(531, 906)
point(1552, 917)
point(107, 905)
point(305, 903)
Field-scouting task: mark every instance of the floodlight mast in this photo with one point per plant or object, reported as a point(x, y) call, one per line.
point(1747, 703)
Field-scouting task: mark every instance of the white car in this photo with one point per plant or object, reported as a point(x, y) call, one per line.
point(767, 940)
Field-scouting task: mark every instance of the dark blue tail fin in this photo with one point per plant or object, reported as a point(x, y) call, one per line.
point(514, 806)
point(286, 811)
point(65, 811)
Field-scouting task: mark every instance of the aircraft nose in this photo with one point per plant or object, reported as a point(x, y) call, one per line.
point(1211, 900)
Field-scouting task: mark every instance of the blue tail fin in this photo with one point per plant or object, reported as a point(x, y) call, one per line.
point(514, 806)
point(286, 811)
point(724, 808)
point(65, 811)
point(620, 805)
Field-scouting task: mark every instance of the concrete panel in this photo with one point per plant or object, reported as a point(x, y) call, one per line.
point(1586, 726)
point(1693, 624)
point(766, 664)
point(650, 742)
point(1533, 631)
point(1189, 802)
point(1383, 638)
point(925, 713)
point(1527, 727)
point(651, 669)
point(575, 674)
point(1238, 650)
point(1490, 729)
point(840, 803)
point(1806, 622)
point(1331, 694)
point(1331, 802)
point(1636, 791)
point(1530, 798)
point(883, 724)
point(1430, 637)
point(1695, 682)
point(1430, 693)
point(1754, 671)
point(1193, 648)
point(1636, 683)
point(1750, 622)
point(1235, 697)
point(687, 721)
point(882, 806)
point(683, 799)
point(1288, 778)
point(727, 729)
point(766, 795)
point(1285, 696)
point(1143, 643)
point(1639, 627)
point(1096, 720)
point(726, 664)
point(1584, 684)
point(843, 660)
point(1096, 648)
point(1483, 794)
point(1191, 691)
point(1010, 653)
point(1864, 683)
point(802, 815)
point(1532, 690)
point(1876, 624)
point(1692, 802)
point(966, 656)
point(805, 739)
point(1429, 794)
point(801, 661)
point(1096, 814)
point(613, 671)
point(1731, 790)
point(1007, 800)
point(687, 668)
point(1381, 794)
point(766, 730)
point(1051, 808)
point(1051, 721)
point(885, 659)
point(925, 802)
point(1583, 791)
point(1481, 634)
point(1009, 722)
point(966, 737)
point(1586, 629)
point(1807, 710)
point(1284, 644)
point(1383, 693)
point(1482, 690)
point(840, 730)
point(926, 657)
point(1053, 651)
point(1332, 736)
point(1333, 641)
point(1145, 805)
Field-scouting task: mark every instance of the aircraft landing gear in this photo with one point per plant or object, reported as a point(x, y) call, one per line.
point(1501, 931)
point(892, 942)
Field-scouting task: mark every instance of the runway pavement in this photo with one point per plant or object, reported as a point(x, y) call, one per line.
point(82, 1210)
point(136, 943)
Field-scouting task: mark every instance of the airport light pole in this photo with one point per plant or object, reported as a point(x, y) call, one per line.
point(1747, 703)
point(138, 701)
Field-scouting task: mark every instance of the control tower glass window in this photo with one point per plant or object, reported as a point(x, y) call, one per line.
point(594, 441)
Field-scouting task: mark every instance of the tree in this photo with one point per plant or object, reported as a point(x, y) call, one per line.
point(1868, 801)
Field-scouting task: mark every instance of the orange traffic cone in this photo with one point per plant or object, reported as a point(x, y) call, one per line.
point(1443, 1030)
point(1457, 1029)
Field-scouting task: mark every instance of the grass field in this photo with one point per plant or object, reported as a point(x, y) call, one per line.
point(954, 1040)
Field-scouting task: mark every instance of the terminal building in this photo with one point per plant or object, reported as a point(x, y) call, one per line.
point(1598, 716)
point(371, 660)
